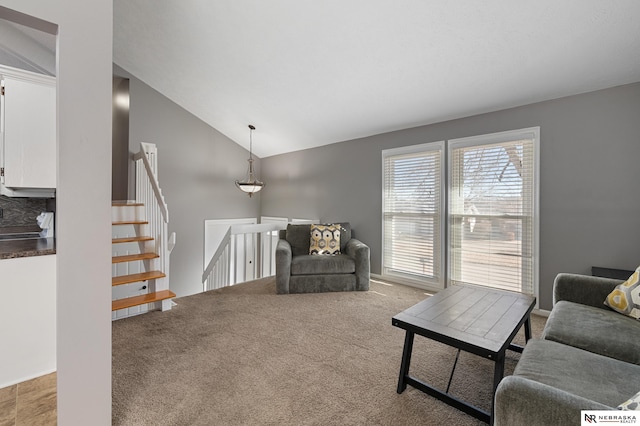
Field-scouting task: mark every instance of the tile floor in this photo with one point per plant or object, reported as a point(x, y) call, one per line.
point(30, 403)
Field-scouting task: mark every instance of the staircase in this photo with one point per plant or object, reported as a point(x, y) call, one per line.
point(141, 244)
point(137, 282)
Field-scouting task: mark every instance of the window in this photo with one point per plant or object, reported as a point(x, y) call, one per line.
point(413, 203)
point(492, 220)
point(490, 215)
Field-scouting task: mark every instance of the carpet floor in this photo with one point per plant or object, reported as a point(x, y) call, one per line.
point(246, 356)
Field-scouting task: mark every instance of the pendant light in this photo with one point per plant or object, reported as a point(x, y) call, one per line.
point(250, 184)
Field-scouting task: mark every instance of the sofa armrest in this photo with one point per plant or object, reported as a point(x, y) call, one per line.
point(583, 289)
point(523, 402)
point(360, 252)
point(283, 266)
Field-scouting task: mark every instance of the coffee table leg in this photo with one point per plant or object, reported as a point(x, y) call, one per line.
point(527, 329)
point(498, 374)
point(406, 361)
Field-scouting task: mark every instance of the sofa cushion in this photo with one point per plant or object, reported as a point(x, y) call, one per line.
point(325, 239)
point(315, 265)
point(588, 375)
point(322, 283)
point(625, 298)
point(345, 235)
point(298, 237)
point(596, 330)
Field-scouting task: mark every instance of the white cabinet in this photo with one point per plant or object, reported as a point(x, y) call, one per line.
point(27, 130)
point(27, 318)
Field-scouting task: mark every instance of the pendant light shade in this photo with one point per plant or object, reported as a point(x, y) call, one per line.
point(250, 184)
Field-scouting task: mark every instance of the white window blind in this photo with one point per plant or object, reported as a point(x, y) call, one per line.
point(492, 210)
point(412, 214)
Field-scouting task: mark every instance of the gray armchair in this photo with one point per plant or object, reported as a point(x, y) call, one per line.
point(299, 272)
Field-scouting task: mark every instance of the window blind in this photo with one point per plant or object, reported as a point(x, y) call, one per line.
point(412, 213)
point(492, 212)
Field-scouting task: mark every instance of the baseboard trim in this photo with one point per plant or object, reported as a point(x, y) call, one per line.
point(541, 312)
point(376, 277)
point(391, 281)
point(27, 378)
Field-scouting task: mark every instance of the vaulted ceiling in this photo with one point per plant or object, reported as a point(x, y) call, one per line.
point(310, 73)
point(27, 48)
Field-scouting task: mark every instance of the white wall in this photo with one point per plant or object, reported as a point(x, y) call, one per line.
point(83, 203)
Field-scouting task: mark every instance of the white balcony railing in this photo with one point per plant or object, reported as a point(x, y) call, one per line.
point(246, 252)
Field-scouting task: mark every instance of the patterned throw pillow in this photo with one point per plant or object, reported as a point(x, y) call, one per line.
point(325, 239)
point(633, 404)
point(625, 298)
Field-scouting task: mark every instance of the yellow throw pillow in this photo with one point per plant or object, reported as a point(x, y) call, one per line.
point(625, 298)
point(325, 239)
point(632, 404)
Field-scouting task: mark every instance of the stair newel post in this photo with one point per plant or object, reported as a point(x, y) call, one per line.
point(166, 304)
point(225, 278)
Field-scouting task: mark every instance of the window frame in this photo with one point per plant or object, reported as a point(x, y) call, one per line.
point(438, 282)
point(495, 138)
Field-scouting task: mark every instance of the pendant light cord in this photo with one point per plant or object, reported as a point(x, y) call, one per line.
point(251, 129)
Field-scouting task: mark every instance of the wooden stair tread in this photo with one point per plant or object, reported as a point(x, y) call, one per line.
point(131, 239)
point(125, 204)
point(134, 257)
point(131, 222)
point(134, 278)
point(142, 299)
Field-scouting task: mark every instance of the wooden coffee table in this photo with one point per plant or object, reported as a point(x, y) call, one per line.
point(474, 319)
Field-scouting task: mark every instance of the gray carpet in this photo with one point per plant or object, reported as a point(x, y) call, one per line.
point(246, 356)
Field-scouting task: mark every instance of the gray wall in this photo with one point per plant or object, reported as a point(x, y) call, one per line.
point(83, 235)
point(197, 167)
point(589, 203)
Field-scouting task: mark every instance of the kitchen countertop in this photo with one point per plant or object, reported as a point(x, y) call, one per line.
point(11, 249)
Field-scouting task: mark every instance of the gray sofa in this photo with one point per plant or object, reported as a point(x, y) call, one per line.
point(299, 272)
point(588, 359)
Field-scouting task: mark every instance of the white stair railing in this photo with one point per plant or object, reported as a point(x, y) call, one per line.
point(148, 193)
point(246, 252)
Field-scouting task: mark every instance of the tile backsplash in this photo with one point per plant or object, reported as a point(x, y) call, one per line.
point(23, 211)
